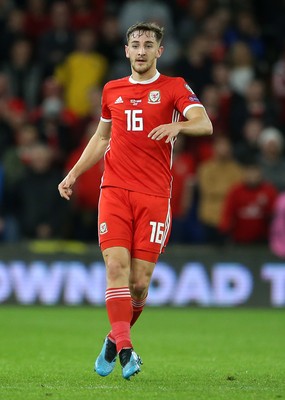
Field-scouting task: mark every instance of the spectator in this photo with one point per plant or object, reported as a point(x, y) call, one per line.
point(183, 172)
point(214, 179)
point(57, 124)
point(110, 39)
point(255, 103)
point(278, 83)
point(37, 20)
point(14, 29)
point(212, 101)
point(221, 80)
point(82, 69)
point(23, 73)
point(86, 193)
point(248, 208)
point(248, 145)
point(192, 19)
point(17, 157)
point(214, 31)
point(41, 213)
point(246, 29)
point(277, 227)
point(55, 44)
point(195, 64)
point(271, 158)
point(242, 67)
point(6, 135)
point(86, 14)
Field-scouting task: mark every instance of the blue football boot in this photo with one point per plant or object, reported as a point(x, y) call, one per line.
point(106, 360)
point(130, 363)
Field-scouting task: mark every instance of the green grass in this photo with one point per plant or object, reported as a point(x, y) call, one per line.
point(199, 354)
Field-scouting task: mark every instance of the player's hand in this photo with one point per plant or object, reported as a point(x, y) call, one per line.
point(167, 130)
point(65, 187)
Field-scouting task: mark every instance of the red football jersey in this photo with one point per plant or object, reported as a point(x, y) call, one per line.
point(132, 160)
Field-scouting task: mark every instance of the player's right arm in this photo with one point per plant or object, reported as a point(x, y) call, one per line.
point(92, 153)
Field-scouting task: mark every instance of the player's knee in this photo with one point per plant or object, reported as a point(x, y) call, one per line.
point(139, 289)
point(116, 269)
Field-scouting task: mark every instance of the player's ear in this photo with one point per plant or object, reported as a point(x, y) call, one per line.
point(160, 51)
point(127, 51)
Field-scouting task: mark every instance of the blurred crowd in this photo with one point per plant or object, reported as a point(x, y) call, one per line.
point(55, 57)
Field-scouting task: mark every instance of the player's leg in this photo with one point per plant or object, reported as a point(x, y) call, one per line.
point(152, 221)
point(140, 277)
point(115, 235)
point(119, 308)
point(118, 296)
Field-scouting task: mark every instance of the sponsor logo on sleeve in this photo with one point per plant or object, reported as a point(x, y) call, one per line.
point(193, 98)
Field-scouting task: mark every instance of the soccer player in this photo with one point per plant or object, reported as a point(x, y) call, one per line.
point(142, 115)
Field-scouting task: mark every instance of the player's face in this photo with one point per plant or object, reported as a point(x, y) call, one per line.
point(143, 50)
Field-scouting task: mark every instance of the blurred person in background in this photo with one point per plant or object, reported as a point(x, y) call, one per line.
point(36, 20)
point(17, 157)
point(213, 29)
point(81, 70)
point(183, 172)
point(248, 208)
point(35, 200)
point(245, 29)
point(6, 135)
point(256, 102)
point(23, 72)
point(195, 64)
point(58, 41)
point(221, 80)
point(87, 14)
point(272, 159)
point(242, 67)
point(247, 146)
point(110, 40)
point(214, 179)
point(192, 19)
point(278, 83)
point(57, 125)
point(13, 30)
point(84, 205)
point(277, 227)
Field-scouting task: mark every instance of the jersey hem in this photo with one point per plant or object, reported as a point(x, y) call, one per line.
point(167, 196)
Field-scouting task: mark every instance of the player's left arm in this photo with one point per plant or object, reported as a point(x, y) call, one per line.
point(197, 124)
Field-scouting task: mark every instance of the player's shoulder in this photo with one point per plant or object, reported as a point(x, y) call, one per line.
point(116, 83)
point(176, 82)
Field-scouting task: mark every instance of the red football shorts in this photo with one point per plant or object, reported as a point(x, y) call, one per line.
point(139, 222)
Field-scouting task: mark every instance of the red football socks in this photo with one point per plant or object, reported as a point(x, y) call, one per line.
point(138, 306)
point(120, 313)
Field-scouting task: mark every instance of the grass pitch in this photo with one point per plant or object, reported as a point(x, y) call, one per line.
point(199, 354)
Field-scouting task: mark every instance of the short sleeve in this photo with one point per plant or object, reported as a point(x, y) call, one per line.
point(105, 111)
point(185, 98)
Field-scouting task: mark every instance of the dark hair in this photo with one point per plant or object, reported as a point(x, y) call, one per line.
point(146, 27)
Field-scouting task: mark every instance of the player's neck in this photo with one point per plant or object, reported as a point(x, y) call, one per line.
point(143, 77)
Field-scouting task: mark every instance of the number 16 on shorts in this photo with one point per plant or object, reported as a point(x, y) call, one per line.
point(157, 232)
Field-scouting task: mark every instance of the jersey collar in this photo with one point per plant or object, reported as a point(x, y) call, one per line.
point(153, 79)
